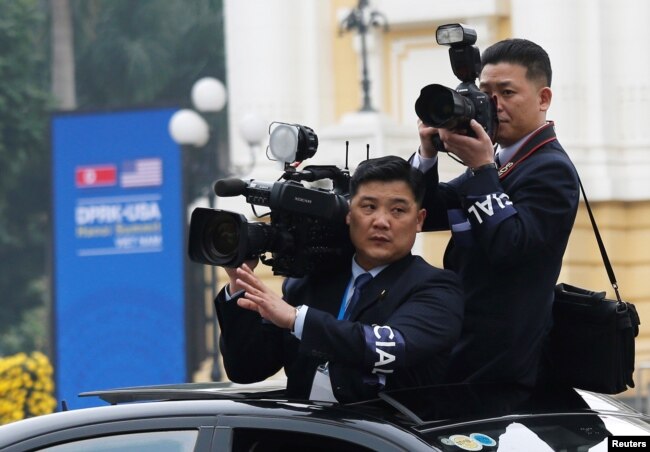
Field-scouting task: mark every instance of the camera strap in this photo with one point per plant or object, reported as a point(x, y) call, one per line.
point(539, 138)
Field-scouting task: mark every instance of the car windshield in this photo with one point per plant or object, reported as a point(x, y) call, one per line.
point(542, 433)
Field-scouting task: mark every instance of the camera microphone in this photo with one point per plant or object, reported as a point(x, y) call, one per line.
point(230, 187)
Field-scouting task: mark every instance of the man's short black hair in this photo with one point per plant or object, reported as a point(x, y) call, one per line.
point(388, 169)
point(524, 53)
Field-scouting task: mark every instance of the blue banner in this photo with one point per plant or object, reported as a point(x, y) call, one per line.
point(118, 277)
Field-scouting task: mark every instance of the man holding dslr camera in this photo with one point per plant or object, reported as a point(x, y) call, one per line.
point(336, 337)
point(510, 221)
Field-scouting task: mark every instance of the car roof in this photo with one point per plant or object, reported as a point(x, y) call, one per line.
point(412, 406)
point(196, 401)
point(418, 410)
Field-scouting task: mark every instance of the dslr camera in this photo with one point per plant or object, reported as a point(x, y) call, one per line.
point(307, 233)
point(445, 108)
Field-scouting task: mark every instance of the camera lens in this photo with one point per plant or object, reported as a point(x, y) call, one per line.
point(223, 236)
point(217, 237)
point(442, 107)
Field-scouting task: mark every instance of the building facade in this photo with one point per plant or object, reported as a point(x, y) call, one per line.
point(287, 61)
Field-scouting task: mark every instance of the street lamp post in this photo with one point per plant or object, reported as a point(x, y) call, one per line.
point(362, 20)
point(196, 129)
point(253, 129)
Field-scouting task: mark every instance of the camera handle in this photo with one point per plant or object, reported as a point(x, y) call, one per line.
point(340, 178)
point(438, 145)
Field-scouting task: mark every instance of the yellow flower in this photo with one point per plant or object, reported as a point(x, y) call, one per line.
point(26, 386)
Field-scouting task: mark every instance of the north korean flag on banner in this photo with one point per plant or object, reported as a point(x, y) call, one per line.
point(95, 176)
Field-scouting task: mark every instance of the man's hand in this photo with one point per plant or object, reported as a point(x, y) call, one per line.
point(263, 300)
point(232, 275)
point(427, 150)
point(474, 152)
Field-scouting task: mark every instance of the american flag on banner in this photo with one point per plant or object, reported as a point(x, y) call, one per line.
point(141, 173)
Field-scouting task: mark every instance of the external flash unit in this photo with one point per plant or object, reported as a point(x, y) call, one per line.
point(455, 34)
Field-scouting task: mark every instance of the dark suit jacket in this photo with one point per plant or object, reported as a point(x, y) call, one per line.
point(421, 305)
point(508, 239)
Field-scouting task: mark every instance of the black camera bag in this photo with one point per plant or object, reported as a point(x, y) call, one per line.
point(591, 343)
point(592, 339)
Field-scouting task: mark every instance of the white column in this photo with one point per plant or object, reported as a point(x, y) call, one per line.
point(600, 89)
point(278, 67)
point(626, 93)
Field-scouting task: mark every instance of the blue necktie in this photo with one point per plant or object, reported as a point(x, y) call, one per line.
point(359, 282)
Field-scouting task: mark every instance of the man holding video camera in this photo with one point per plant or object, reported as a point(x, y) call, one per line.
point(510, 220)
point(386, 320)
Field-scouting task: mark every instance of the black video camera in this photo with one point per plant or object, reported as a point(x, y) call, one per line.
point(307, 233)
point(444, 108)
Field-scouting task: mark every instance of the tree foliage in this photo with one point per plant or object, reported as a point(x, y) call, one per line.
point(24, 185)
point(127, 53)
point(146, 51)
